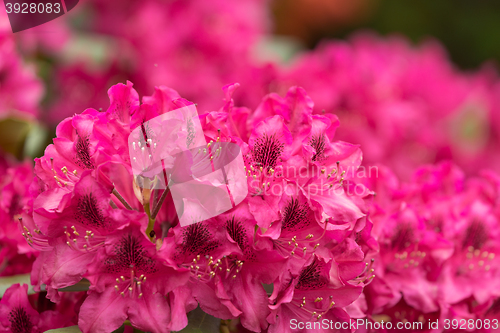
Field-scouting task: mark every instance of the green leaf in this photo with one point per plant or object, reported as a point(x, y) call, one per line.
point(6, 282)
point(201, 322)
point(70, 329)
point(13, 133)
point(36, 141)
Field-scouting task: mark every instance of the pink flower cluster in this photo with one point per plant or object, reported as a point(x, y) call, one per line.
point(439, 238)
point(90, 220)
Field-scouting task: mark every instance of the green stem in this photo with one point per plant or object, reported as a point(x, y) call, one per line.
point(151, 222)
point(156, 209)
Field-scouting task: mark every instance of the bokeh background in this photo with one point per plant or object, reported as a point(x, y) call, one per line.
point(196, 48)
point(468, 29)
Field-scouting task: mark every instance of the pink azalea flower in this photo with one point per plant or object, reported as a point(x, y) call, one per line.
point(227, 269)
point(17, 314)
point(409, 252)
point(74, 151)
point(76, 225)
point(128, 282)
point(473, 269)
point(314, 294)
point(439, 231)
point(464, 212)
point(274, 156)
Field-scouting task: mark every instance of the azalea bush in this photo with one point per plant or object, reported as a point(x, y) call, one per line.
point(310, 242)
point(364, 196)
point(302, 233)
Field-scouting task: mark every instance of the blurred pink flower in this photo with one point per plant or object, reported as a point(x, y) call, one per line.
point(193, 46)
point(393, 99)
point(16, 256)
point(20, 89)
point(439, 231)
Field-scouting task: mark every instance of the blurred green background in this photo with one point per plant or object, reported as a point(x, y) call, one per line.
point(469, 29)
